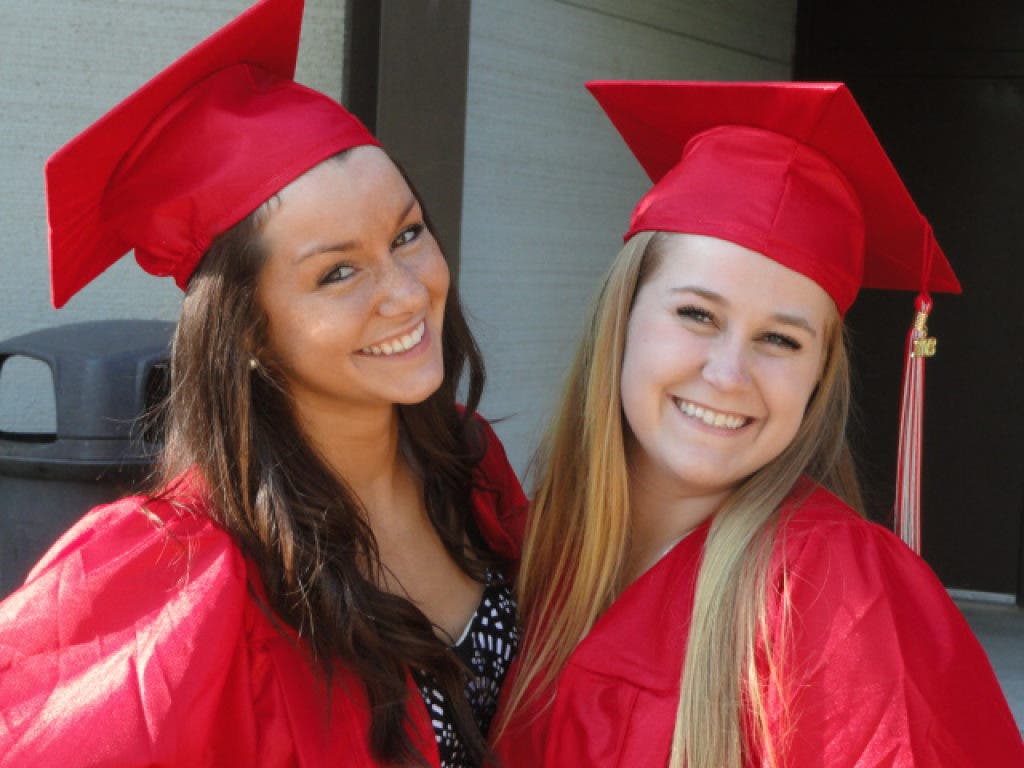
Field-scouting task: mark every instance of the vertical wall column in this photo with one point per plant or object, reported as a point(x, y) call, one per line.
point(406, 79)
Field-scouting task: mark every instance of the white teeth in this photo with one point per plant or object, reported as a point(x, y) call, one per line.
point(711, 418)
point(403, 344)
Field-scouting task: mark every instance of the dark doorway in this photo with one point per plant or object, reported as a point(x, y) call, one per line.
point(943, 85)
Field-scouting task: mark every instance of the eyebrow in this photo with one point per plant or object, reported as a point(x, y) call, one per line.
point(348, 245)
point(783, 318)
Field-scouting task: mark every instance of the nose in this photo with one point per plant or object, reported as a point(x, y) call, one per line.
point(727, 366)
point(402, 290)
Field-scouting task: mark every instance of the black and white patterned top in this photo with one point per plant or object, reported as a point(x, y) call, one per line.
point(487, 648)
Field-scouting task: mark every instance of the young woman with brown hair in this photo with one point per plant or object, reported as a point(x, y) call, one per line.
point(699, 587)
point(320, 576)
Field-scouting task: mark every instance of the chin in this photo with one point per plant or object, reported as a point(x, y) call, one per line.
point(704, 480)
point(421, 395)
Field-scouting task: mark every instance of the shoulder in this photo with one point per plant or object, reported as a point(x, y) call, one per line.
point(497, 496)
point(172, 535)
point(876, 648)
point(810, 506)
point(124, 563)
point(831, 558)
point(815, 524)
point(493, 466)
point(129, 628)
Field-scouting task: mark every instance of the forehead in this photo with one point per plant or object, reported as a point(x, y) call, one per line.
point(345, 197)
point(741, 277)
point(347, 177)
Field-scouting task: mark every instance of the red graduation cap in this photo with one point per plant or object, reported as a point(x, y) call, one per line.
point(791, 170)
point(794, 172)
point(191, 153)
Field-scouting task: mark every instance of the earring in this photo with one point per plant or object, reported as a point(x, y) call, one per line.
point(253, 363)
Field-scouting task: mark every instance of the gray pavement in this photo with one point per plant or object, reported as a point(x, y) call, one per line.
point(1000, 628)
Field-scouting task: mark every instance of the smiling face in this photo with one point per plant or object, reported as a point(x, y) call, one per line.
point(723, 350)
point(353, 288)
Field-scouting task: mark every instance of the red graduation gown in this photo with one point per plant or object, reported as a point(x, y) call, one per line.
point(137, 642)
point(882, 667)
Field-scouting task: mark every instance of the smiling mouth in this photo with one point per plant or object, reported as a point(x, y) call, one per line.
point(711, 418)
point(398, 345)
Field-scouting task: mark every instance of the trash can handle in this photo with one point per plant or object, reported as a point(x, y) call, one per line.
point(47, 360)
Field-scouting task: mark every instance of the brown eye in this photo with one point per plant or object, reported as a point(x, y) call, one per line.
point(408, 235)
point(338, 274)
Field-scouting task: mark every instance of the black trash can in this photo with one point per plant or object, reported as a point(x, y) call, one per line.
point(105, 376)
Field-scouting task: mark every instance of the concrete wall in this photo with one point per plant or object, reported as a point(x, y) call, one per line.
point(549, 185)
point(63, 63)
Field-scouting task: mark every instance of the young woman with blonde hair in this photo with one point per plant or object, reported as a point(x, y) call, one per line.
point(699, 587)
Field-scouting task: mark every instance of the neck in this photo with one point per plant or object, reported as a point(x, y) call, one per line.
point(660, 515)
point(362, 448)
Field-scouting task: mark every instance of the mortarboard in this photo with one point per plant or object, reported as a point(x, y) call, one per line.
point(794, 172)
point(191, 153)
point(791, 170)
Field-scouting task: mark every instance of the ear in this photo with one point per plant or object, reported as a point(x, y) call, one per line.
point(254, 350)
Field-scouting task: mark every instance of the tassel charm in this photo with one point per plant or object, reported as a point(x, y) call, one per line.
point(924, 345)
point(907, 508)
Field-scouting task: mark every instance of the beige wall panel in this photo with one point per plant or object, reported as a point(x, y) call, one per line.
point(548, 184)
point(766, 28)
point(63, 63)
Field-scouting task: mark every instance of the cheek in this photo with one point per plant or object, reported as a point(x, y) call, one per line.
point(304, 336)
point(636, 378)
point(278, 326)
point(287, 338)
point(431, 270)
point(629, 394)
point(436, 277)
point(659, 352)
point(791, 392)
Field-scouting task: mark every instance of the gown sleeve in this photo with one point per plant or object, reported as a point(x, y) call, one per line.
point(883, 669)
point(126, 647)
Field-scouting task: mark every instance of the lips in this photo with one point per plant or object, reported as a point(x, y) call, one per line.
point(710, 417)
point(398, 344)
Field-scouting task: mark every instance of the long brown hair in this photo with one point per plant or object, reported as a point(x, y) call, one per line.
point(297, 520)
point(578, 533)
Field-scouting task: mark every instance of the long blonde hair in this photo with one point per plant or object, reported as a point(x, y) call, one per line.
point(578, 536)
